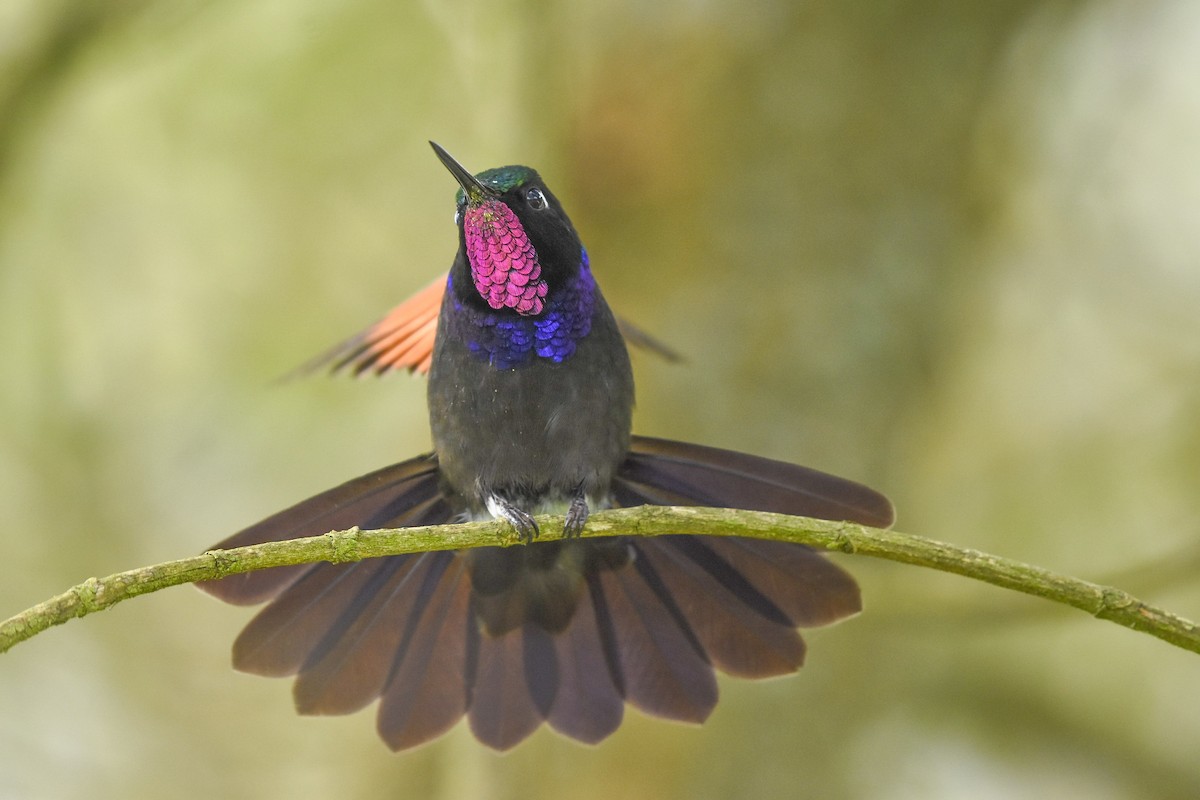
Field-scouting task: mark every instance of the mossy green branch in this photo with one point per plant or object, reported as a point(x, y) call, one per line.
point(1115, 605)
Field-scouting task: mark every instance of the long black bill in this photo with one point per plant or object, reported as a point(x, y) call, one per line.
point(476, 192)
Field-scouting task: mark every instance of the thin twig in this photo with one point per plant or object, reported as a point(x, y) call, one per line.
point(1105, 602)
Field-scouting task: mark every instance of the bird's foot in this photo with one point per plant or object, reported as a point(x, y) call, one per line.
point(522, 521)
point(577, 514)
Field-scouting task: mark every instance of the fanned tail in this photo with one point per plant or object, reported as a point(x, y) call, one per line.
point(562, 632)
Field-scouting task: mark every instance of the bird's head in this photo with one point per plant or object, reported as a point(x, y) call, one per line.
point(514, 237)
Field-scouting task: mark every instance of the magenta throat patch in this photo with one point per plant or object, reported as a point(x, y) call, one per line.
point(504, 264)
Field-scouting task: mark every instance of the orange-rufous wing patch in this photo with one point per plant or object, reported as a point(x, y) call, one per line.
point(402, 340)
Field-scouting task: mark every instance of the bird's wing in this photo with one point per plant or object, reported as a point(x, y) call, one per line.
point(402, 495)
point(663, 472)
point(403, 339)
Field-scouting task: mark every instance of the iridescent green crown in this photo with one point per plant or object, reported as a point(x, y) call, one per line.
point(500, 178)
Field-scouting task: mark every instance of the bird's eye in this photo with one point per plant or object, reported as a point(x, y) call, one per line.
point(535, 198)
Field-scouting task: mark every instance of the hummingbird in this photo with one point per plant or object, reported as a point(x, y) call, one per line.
point(530, 397)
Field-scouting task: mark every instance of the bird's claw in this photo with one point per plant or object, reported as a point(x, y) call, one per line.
point(577, 514)
point(525, 526)
point(522, 521)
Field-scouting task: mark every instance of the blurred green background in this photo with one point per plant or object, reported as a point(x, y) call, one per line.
point(949, 249)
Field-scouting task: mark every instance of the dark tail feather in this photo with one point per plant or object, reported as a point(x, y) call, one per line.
point(404, 494)
point(590, 703)
point(811, 590)
point(285, 635)
point(429, 689)
point(663, 667)
point(505, 708)
point(747, 637)
point(740, 600)
point(557, 632)
point(350, 663)
point(662, 472)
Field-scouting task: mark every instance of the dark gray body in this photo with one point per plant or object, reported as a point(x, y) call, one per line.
point(534, 434)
